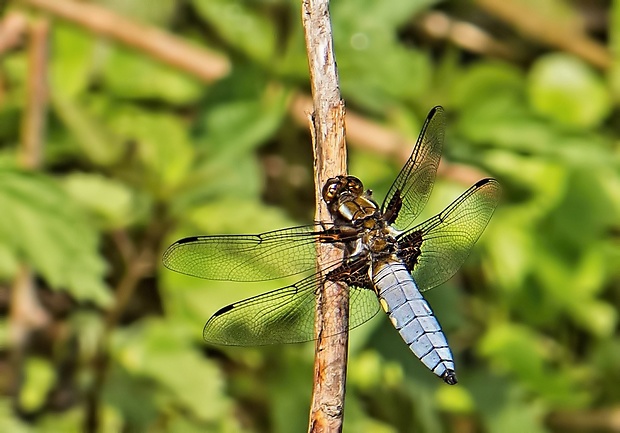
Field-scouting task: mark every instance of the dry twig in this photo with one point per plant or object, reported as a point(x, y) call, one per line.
point(549, 32)
point(600, 420)
point(13, 28)
point(27, 314)
point(327, 127)
point(151, 40)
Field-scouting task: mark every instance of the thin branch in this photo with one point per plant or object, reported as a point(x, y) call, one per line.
point(566, 38)
point(161, 45)
point(327, 127)
point(33, 125)
point(139, 263)
point(13, 28)
point(26, 312)
point(468, 36)
point(600, 420)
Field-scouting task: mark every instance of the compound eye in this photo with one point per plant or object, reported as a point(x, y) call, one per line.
point(355, 185)
point(331, 188)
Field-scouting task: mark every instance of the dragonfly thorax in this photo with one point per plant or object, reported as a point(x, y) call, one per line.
point(379, 242)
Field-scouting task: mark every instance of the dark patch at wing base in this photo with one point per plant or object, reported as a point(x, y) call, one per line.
point(413, 185)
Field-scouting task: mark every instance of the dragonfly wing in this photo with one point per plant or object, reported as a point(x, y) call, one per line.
point(264, 256)
point(284, 315)
point(448, 237)
point(413, 185)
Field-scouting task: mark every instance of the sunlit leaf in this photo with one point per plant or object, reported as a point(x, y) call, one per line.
point(238, 126)
point(566, 89)
point(375, 69)
point(44, 227)
point(241, 25)
point(39, 379)
point(88, 132)
point(520, 351)
point(135, 77)
point(162, 145)
point(486, 82)
point(9, 420)
point(455, 399)
point(73, 60)
point(151, 349)
point(518, 418)
point(111, 202)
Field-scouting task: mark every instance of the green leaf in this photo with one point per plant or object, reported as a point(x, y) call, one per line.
point(242, 112)
point(135, 397)
point(44, 227)
point(502, 122)
point(509, 242)
point(72, 421)
point(521, 351)
point(4, 334)
point(455, 399)
point(162, 352)
point(359, 420)
point(365, 370)
point(242, 26)
point(599, 317)
point(566, 89)
point(374, 68)
point(16, 70)
point(9, 421)
point(238, 126)
point(73, 60)
point(39, 377)
point(163, 145)
point(93, 138)
point(293, 62)
point(210, 182)
point(486, 82)
point(8, 262)
point(111, 202)
point(131, 76)
point(518, 418)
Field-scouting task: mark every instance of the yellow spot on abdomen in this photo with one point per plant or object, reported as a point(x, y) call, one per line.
point(384, 304)
point(394, 322)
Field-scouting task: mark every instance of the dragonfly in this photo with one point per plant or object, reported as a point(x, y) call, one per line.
point(387, 261)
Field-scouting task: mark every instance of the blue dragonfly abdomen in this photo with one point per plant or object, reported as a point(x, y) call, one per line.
point(411, 315)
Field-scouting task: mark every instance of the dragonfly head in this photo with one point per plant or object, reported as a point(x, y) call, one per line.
point(348, 202)
point(338, 186)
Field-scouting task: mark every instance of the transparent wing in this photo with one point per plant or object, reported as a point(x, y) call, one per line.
point(264, 256)
point(448, 237)
point(413, 185)
point(285, 315)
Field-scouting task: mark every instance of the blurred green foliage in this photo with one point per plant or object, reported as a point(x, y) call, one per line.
point(138, 154)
